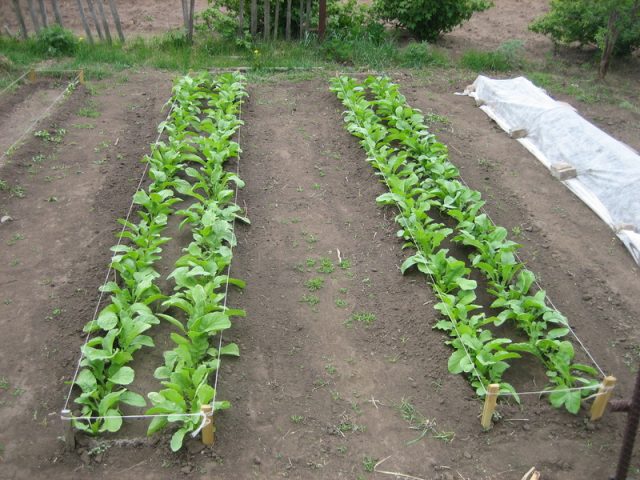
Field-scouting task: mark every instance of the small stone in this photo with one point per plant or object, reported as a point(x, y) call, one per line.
point(186, 469)
point(526, 427)
point(586, 297)
point(467, 455)
point(6, 219)
point(257, 461)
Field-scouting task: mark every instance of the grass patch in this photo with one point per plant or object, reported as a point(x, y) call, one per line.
point(508, 56)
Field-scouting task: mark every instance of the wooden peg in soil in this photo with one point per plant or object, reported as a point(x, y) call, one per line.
point(208, 429)
point(68, 433)
point(601, 401)
point(81, 77)
point(32, 75)
point(490, 401)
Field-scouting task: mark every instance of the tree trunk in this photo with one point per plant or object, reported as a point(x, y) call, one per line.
point(34, 17)
point(23, 25)
point(191, 15)
point(276, 20)
point(105, 23)
point(307, 23)
point(301, 19)
point(43, 13)
point(92, 10)
point(322, 22)
point(267, 19)
point(185, 16)
point(87, 30)
point(116, 19)
point(612, 37)
point(288, 25)
point(241, 19)
point(56, 12)
point(254, 17)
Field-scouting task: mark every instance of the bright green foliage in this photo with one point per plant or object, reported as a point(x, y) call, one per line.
point(428, 19)
point(200, 127)
point(420, 177)
point(587, 22)
point(56, 41)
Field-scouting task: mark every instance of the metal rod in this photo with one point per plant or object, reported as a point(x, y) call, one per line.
point(633, 419)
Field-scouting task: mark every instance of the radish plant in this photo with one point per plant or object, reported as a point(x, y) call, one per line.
point(415, 167)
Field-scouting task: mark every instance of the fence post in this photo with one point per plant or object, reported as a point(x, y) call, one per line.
point(490, 401)
point(68, 434)
point(208, 429)
point(601, 401)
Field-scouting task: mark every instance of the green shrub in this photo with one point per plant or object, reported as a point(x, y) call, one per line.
point(416, 55)
point(507, 56)
point(57, 41)
point(586, 22)
point(428, 19)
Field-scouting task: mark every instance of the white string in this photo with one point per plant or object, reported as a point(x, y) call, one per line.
point(106, 279)
point(226, 290)
point(449, 314)
point(206, 418)
point(562, 390)
point(33, 124)
point(13, 83)
point(134, 417)
point(540, 288)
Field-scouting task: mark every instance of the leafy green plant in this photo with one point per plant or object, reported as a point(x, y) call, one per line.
point(420, 177)
point(428, 19)
point(56, 41)
point(612, 25)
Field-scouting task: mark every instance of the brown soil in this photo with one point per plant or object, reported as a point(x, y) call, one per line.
point(138, 18)
point(312, 396)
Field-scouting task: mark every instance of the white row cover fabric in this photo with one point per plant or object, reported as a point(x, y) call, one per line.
point(608, 171)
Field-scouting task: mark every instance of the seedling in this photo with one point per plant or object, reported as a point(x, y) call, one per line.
point(314, 284)
point(345, 264)
point(311, 300)
point(340, 303)
point(296, 419)
point(326, 266)
point(369, 463)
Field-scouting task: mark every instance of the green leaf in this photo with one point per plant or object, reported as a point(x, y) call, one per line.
point(107, 320)
point(177, 438)
point(124, 376)
point(230, 349)
point(113, 423)
point(133, 399)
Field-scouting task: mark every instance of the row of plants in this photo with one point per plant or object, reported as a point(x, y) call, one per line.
point(416, 169)
point(199, 298)
point(200, 124)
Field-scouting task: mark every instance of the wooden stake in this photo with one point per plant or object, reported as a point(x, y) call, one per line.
point(69, 435)
point(116, 19)
point(490, 405)
point(34, 17)
point(208, 429)
point(56, 12)
point(601, 401)
point(105, 23)
point(81, 77)
point(32, 75)
point(87, 30)
point(23, 25)
point(43, 12)
point(92, 11)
